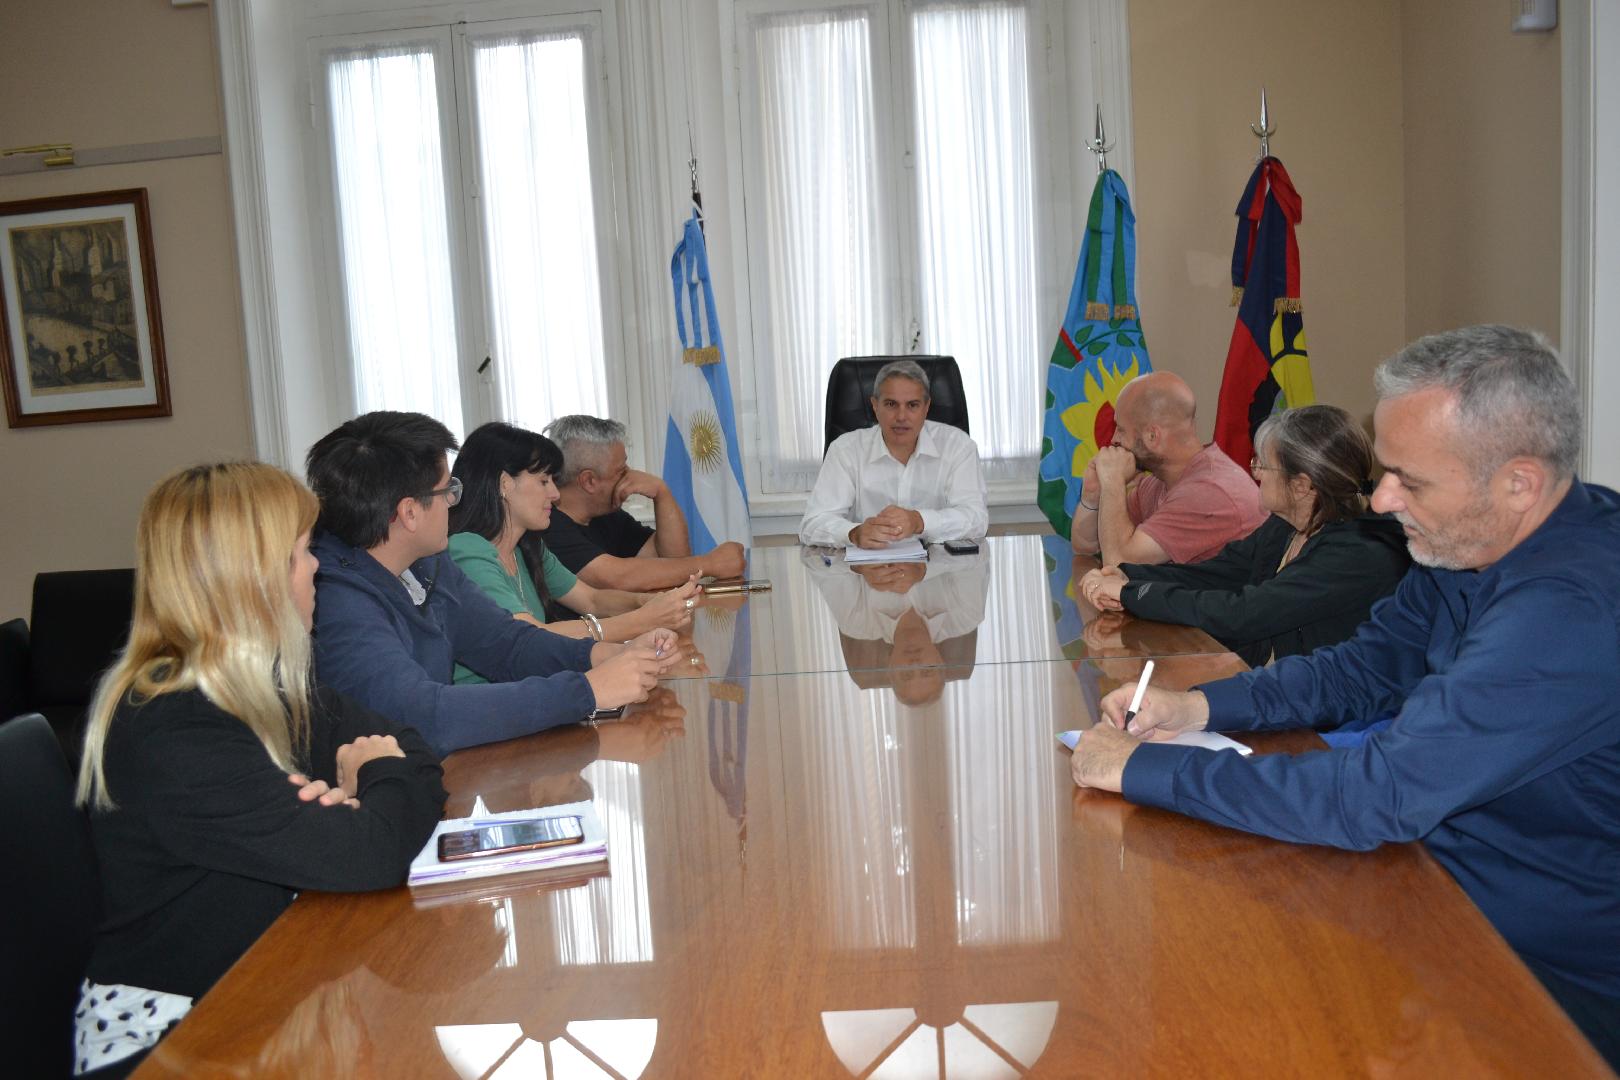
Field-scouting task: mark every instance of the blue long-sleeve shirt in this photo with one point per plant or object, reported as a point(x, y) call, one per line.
point(374, 644)
point(1504, 755)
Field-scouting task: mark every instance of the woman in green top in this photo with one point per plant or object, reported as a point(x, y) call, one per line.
point(507, 493)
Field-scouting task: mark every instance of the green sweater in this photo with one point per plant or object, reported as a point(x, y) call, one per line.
point(478, 560)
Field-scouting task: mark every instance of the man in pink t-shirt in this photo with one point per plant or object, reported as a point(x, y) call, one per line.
point(1190, 501)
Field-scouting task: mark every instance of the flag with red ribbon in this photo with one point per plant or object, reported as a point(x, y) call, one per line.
point(1267, 367)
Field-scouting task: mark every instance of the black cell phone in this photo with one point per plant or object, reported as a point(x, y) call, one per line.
point(526, 835)
point(607, 714)
point(961, 547)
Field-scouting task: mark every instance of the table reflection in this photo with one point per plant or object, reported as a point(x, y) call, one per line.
point(912, 626)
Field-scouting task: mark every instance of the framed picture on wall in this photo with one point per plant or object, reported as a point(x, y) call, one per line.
point(83, 337)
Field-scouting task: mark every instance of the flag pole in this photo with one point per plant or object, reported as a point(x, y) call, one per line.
point(1100, 145)
point(1264, 131)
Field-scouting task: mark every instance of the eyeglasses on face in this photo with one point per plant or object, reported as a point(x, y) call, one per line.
point(1256, 466)
point(451, 492)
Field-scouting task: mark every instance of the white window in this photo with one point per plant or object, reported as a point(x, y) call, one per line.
point(472, 192)
point(389, 177)
point(892, 206)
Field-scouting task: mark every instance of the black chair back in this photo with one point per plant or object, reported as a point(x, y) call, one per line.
point(80, 622)
point(14, 695)
point(850, 389)
point(51, 900)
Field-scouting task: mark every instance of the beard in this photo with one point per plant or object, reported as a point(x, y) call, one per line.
point(1460, 544)
point(1146, 460)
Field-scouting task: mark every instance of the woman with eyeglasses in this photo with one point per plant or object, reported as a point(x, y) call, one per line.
point(219, 778)
point(507, 497)
point(1305, 578)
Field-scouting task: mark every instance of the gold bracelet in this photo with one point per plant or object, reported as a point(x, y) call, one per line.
point(593, 625)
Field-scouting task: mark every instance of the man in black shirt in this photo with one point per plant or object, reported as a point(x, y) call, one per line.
point(592, 535)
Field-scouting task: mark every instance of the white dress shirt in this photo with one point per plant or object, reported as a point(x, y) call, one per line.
point(859, 477)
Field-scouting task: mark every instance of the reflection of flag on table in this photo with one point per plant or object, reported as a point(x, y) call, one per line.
point(727, 718)
point(1266, 366)
point(702, 459)
point(1099, 349)
point(1069, 623)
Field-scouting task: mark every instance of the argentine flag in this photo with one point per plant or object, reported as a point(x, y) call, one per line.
point(702, 459)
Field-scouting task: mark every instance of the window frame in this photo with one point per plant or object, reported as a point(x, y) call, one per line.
point(446, 31)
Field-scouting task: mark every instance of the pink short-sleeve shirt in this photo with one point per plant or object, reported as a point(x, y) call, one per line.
point(1215, 502)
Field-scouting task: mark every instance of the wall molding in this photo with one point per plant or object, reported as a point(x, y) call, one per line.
point(1589, 333)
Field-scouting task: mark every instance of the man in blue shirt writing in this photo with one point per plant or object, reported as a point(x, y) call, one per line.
point(1498, 654)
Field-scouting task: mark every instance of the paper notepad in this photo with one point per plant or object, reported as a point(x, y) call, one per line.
point(426, 869)
point(910, 550)
point(1207, 740)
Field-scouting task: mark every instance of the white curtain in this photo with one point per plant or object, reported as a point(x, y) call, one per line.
point(976, 218)
point(539, 225)
point(823, 224)
point(388, 166)
point(832, 281)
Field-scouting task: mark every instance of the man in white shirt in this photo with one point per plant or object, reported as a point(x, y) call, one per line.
point(907, 476)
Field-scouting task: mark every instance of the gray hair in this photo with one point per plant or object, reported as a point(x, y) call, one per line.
point(905, 369)
point(1324, 444)
point(1514, 398)
point(583, 441)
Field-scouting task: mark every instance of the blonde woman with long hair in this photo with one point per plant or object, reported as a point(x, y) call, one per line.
point(219, 779)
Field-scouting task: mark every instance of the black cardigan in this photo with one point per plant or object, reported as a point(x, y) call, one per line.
point(209, 840)
point(1239, 598)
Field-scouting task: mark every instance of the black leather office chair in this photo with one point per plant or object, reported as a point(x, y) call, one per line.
point(51, 900)
point(78, 625)
point(850, 390)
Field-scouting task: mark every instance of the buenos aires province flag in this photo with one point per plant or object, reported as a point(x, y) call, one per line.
point(702, 458)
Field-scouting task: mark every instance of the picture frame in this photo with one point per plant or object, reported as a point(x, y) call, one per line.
point(81, 331)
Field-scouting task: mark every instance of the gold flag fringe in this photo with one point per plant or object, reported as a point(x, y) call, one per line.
point(709, 354)
point(1124, 311)
point(735, 693)
point(1237, 295)
point(1291, 305)
point(1095, 310)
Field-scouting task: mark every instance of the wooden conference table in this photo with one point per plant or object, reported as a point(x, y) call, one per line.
point(857, 870)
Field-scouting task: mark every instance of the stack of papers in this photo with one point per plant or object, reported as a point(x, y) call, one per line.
point(910, 550)
point(1208, 740)
point(426, 869)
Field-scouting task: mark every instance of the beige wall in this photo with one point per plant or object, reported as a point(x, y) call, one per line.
point(1332, 72)
point(109, 74)
point(1483, 152)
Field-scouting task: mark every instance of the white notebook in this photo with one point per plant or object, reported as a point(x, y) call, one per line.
point(427, 869)
point(909, 550)
point(1208, 740)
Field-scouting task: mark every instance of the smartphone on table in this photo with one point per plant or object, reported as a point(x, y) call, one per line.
point(527, 834)
point(961, 547)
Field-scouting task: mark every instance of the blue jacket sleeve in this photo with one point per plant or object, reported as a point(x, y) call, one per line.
point(364, 650)
point(1506, 712)
point(487, 639)
point(1363, 678)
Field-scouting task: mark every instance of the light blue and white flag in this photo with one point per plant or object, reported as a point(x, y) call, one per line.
point(702, 457)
